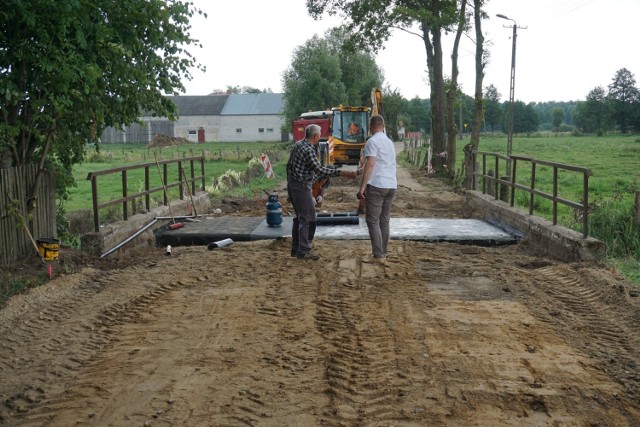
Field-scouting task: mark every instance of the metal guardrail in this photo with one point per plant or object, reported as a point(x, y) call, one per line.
point(511, 183)
point(191, 179)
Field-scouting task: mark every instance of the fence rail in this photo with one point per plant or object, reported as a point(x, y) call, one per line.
point(510, 182)
point(191, 179)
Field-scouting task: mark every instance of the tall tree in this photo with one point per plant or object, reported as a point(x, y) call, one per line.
point(69, 69)
point(359, 71)
point(625, 95)
point(370, 23)
point(323, 74)
point(594, 115)
point(493, 114)
point(453, 89)
point(557, 119)
point(525, 117)
point(394, 107)
point(418, 112)
point(481, 59)
point(313, 81)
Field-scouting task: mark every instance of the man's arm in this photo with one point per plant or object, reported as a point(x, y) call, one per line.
point(369, 164)
point(325, 172)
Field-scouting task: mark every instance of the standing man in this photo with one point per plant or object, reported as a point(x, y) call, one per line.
point(303, 168)
point(378, 186)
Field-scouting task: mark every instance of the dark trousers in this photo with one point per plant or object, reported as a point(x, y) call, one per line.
point(295, 241)
point(304, 223)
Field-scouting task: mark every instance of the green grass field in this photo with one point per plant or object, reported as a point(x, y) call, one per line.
point(219, 158)
point(614, 161)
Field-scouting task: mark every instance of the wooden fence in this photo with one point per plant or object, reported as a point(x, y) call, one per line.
point(38, 211)
point(413, 149)
point(180, 179)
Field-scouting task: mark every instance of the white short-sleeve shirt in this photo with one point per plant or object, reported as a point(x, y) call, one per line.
point(384, 172)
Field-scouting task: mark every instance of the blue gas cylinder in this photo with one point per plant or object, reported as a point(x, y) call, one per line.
point(274, 211)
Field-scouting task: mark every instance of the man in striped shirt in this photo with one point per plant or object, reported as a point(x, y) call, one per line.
point(303, 169)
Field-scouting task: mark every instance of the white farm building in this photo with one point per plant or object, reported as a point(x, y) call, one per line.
point(211, 118)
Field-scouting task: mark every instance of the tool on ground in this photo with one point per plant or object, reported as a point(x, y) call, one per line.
point(186, 182)
point(164, 187)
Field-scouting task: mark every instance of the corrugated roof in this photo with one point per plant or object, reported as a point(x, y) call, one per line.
point(205, 105)
point(253, 104)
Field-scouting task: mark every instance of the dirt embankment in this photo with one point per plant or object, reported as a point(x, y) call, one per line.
point(248, 336)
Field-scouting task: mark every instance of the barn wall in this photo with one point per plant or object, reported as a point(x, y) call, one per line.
point(247, 128)
point(210, 124)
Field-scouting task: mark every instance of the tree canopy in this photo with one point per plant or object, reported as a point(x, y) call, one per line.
point(625, 99)
point(68, 69)
point(370, 24)
point(323, 75)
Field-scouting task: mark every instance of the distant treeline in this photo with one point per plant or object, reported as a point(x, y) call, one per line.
point(615, 108)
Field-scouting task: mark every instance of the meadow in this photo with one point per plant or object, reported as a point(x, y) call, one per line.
point(614, 161)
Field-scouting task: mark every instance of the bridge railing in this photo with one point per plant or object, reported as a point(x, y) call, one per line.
point(505, 187)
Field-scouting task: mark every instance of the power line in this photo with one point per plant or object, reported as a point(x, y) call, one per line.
point(556, 9)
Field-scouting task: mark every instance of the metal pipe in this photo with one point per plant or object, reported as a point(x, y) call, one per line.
point(136, 234)
point(219, 244)
point(177, 217)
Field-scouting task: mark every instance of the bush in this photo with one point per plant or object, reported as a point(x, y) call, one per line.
point(612, 221)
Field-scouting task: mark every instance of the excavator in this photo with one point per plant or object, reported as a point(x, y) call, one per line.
point(344, 131)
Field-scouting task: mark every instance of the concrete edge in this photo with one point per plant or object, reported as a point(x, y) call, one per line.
point(554, 241)
point(110, 235)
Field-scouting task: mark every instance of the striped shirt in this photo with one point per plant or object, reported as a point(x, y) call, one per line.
point(304, 166)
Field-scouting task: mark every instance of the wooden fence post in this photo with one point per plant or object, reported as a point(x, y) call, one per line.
point(637, 207)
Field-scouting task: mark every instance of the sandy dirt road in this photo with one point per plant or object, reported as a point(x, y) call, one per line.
point(445, 335)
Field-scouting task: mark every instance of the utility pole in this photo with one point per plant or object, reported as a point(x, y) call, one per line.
point(512, 84)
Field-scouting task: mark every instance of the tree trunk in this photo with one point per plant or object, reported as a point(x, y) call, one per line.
point(438, 103)
point(452, 92)
point(478, 113)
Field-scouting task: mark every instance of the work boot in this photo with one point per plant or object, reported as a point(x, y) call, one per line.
point(310, 256)
point(294, 252)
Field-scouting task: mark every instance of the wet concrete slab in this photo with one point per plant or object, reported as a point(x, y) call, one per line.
point(464, 231)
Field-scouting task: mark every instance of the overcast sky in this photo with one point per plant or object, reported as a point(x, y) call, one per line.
point(564, 48)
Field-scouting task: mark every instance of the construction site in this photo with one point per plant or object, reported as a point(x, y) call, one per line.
point(448, 332)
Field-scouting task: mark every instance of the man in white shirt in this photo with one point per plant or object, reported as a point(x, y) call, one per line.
point(378, 186)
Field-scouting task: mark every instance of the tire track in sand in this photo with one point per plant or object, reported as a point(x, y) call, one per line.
point(60, 330)
point(361, 368)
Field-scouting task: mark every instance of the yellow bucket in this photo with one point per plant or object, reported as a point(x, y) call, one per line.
point(48, 248)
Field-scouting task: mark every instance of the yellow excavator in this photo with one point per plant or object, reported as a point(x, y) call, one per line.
point(350, 130)
point(346, 137)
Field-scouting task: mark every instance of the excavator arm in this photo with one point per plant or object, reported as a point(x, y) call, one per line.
point(376, 102)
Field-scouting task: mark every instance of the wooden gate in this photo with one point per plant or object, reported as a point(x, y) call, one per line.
point(15, 199)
